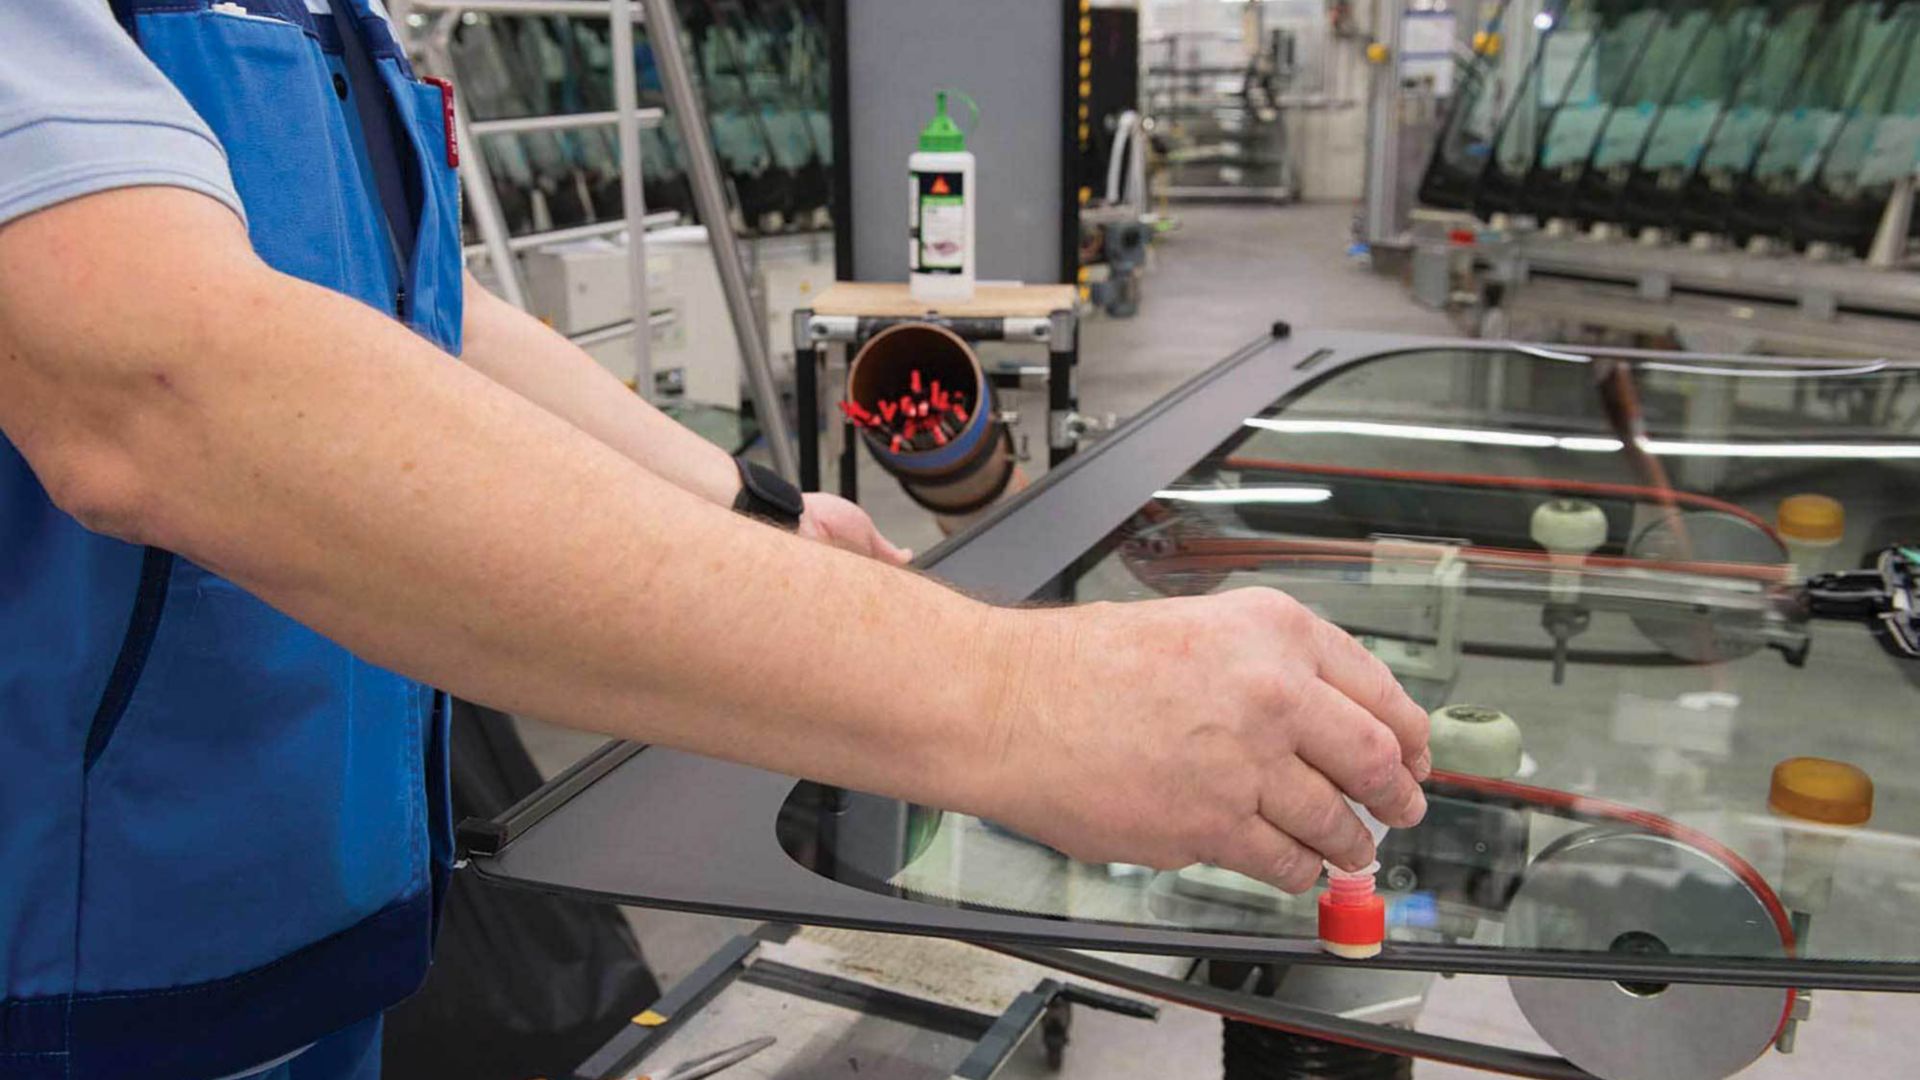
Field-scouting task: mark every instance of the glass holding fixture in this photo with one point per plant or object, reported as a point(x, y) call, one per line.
point(1580, 563)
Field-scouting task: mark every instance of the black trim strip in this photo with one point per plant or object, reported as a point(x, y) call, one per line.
point(1059, 474)
point(490, 836)
point(143, 625)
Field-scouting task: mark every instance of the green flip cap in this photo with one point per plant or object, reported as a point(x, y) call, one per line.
point(941, 133)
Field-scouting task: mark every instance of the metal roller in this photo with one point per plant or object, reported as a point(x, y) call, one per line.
point(1614, 889)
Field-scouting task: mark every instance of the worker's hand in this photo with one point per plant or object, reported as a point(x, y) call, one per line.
point(831, 519)
point(1219, 729)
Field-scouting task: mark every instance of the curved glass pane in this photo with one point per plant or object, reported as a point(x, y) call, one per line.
point(1874, 144)
point(1588, 546)
point(1560, 71)
point(1682, 51)
point(1691, 48)
point(1834, 80)
point(1600, 82)
point(1708, 79)
point(1785, 53)
point(1460, 151)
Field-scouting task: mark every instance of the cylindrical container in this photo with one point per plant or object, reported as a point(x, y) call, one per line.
point(976, 465)
point(1812, 527)
point(941, 203)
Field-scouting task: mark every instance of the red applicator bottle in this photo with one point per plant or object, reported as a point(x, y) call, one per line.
point(1353, 918)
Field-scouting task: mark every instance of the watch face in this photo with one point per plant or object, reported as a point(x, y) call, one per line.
point(767, 494)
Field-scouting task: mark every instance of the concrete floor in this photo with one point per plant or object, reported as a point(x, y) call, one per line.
point(1219, 281)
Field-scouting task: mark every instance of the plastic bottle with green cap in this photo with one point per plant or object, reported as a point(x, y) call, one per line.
point(941, 209)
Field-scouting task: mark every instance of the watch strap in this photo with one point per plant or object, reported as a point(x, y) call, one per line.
point(767, 495)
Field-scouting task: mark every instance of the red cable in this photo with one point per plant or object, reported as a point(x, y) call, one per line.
point(1638, 492)
point(1221, 553)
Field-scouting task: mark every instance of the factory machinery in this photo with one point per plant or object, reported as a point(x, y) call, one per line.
point(1727, 175)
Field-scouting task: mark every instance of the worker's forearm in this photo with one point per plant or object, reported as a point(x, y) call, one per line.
point(533, 360)
point(357, 478)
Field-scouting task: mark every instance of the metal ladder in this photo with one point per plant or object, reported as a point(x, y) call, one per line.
point(438, 18)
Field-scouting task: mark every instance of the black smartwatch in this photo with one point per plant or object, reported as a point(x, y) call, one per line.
point(765, 494)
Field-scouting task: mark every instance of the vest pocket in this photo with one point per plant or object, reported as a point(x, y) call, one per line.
point(149, 604)
point(434, 273)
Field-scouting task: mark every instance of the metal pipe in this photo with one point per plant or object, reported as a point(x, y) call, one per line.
point(626, 103)
point(576, 232)
point(515, 125)
point(1383, 128)
point(709, 196)
point(590, 338)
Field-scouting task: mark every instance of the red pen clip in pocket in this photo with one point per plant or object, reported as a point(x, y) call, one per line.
point(445, 87)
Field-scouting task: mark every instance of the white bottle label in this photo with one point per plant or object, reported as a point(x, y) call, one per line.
point(940, 226)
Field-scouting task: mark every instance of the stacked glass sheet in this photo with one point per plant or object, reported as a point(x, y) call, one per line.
point(763, 73)
point(1784, 118)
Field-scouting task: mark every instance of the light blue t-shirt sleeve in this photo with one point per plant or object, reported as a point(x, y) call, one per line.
point(83, 110)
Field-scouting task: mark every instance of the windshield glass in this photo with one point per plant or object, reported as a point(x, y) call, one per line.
point(1590, 568)
point(1874, 144)
point(1743, 60)
point(1484, 83)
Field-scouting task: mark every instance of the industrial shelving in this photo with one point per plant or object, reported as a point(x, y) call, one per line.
point(433, 23)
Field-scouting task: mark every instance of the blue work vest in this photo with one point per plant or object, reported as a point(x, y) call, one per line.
point(223, 836)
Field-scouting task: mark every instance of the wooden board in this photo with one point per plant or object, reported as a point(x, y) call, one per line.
point(891, 299)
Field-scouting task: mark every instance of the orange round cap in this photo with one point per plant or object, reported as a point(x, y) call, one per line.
point(1814, 518)
point(1821, 789)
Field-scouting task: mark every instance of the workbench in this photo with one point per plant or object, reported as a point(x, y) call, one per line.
point(849, 313)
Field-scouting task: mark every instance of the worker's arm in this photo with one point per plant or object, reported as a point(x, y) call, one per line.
point(530, 358)
point(168, 388)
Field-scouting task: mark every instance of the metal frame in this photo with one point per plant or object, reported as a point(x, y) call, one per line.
point(609, 837)
point(995, 1037)
point(1782, 302)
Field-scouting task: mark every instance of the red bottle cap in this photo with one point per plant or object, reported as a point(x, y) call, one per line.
point(1359, 921)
